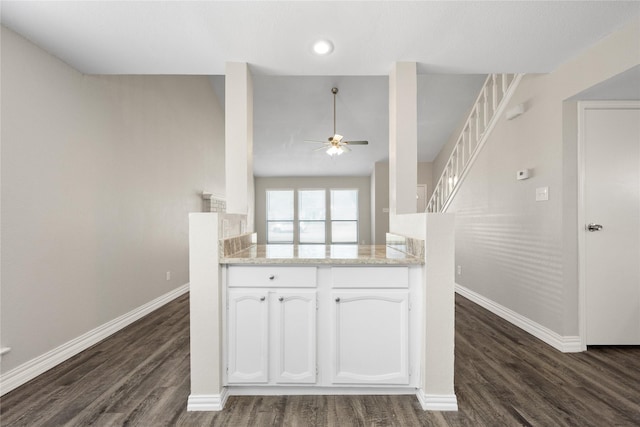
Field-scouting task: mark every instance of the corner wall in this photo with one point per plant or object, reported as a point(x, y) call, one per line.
point(99, 174)
point(512, 250)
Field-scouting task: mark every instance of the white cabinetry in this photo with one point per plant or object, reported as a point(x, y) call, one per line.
point(370, 325)
point(326, 327)
point(271, 331)
point(248, 336)
point(371, 337)
point(295, 337)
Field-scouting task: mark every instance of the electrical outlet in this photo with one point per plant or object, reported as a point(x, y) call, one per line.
point(459, 270)
point(168, 275)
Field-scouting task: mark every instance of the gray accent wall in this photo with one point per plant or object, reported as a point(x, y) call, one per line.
point(99, 174)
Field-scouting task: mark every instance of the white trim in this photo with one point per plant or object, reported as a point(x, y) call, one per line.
point(216, 402)
point(34, 367)
point(207, 402)
point(437, 402)
point(279, 390)
point(582, 287)
point(565, 344)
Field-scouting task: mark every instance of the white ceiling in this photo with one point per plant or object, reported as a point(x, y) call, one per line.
point(454, 44)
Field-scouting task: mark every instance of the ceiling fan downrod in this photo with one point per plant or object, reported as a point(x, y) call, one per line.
point(334, 91)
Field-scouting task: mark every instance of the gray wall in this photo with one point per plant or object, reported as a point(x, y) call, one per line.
point(379, 203)
point(99, 174)
point(425, 176)
point(362, 184)
point(513, 250)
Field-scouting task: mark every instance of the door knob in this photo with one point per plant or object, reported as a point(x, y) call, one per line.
point(594, 227)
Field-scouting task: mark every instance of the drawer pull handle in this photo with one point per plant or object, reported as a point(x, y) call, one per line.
point(272, 277)
point(262, 298)
point(281, 299)
point(338, 299)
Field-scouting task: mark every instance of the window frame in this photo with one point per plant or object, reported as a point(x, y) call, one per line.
point(356, 221)
point(299, 221)
point(328, 217)
point(292, 220)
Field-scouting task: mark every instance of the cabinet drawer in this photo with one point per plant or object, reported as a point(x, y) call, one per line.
point(277, 276)
point(370, 277)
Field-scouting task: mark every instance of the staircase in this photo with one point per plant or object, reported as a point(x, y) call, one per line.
point(489, 106)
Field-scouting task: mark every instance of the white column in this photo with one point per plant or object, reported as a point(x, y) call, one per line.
point(239, 140)
point(206, 311)
point(403, 138)
point(436, 389)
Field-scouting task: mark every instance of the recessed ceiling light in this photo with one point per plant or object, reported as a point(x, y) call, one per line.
point(322, 47)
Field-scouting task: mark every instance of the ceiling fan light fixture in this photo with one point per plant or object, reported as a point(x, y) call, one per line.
point(335, 150)
point(322, 47)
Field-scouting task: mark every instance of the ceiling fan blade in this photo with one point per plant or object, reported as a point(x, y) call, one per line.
point(315, 142)
point(357, 142)
point(323, 147)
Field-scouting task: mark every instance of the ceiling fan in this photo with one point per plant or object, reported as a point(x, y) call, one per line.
point(336, 145)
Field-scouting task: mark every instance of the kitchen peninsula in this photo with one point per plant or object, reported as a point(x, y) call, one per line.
point(308, 319)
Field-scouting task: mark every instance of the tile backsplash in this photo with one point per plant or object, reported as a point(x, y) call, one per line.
point(236, 244)
point(214, 205)
point(407, 245)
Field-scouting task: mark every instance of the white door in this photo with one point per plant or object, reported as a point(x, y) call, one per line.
point(248, 337)
point(295, 337)
point(611, 143)
point(370, 337)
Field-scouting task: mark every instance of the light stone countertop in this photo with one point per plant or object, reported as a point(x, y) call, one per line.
point(322, 254)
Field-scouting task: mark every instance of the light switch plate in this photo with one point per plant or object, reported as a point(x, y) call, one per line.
point(542, 194)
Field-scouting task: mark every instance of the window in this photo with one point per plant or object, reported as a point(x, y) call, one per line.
point(344, 216)
point(301, 216)
point(311, 216)
point(279, 216)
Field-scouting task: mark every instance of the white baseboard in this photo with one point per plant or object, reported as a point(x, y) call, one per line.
point(566, 344)
point(216, 402)
point(34, 367)
point(278, 390)
point(207, 402)
point(437, 402)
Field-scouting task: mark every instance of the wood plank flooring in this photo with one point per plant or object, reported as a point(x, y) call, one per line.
point(504, 377)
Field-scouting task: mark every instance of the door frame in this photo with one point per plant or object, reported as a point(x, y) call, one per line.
point(583, 107)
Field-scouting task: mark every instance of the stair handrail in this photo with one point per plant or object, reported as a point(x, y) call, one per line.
point(486, 110)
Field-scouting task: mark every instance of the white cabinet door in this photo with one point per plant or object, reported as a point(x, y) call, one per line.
point(248, 337)
point(370, 340)
point(295, 337)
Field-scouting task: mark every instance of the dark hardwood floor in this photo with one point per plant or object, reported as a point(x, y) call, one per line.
point(504, 377)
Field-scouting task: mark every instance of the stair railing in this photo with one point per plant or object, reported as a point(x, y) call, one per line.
point(489, 106)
